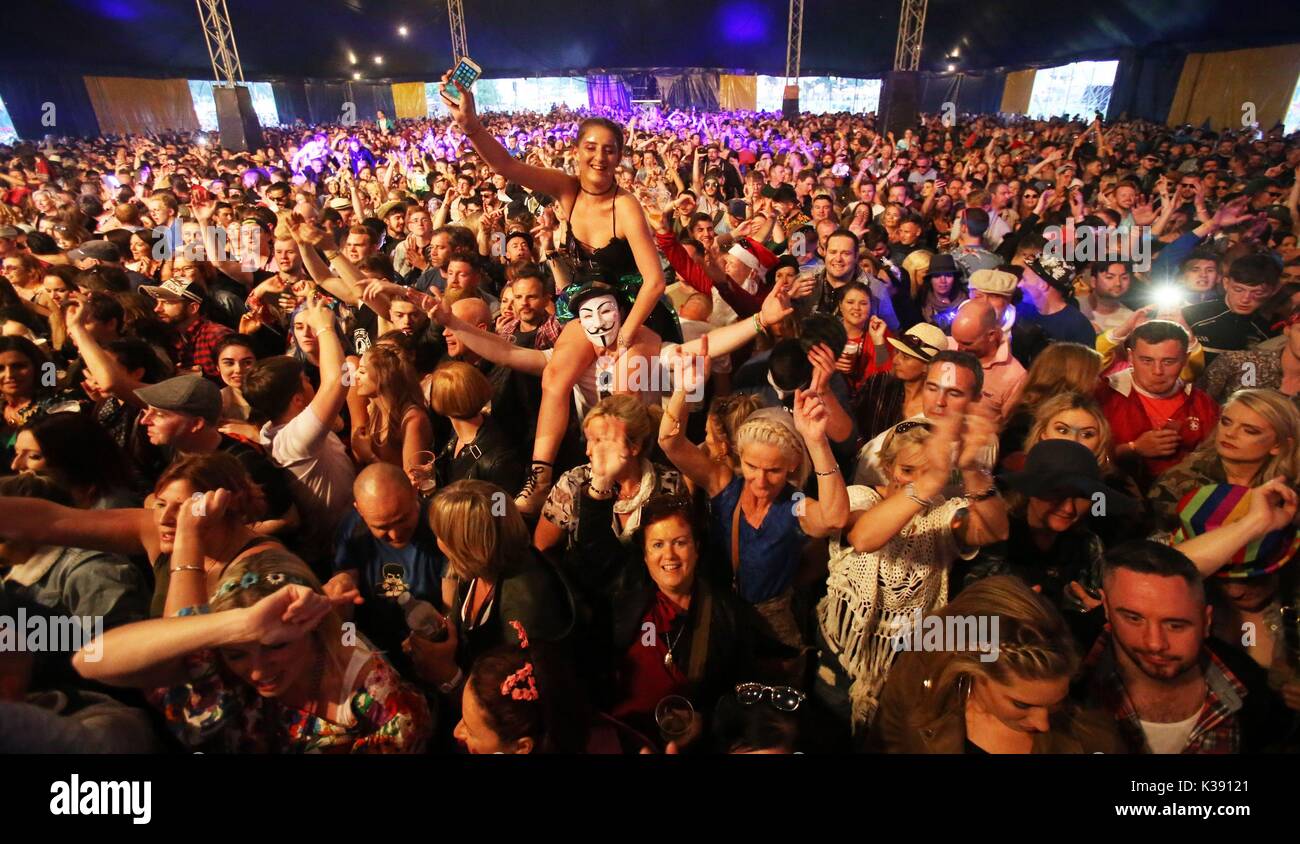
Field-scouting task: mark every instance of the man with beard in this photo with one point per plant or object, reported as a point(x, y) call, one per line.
point(1104, 306)
point(841, 268)
point(1170, 687)
point(177, 303)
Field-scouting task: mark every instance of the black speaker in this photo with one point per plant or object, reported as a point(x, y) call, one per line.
point(790, 103)
point(900, 102)
point(240, 130)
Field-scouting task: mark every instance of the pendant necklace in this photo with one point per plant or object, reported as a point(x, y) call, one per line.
point(668, 657)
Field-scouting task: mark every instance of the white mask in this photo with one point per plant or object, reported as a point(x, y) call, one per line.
point(600, 320)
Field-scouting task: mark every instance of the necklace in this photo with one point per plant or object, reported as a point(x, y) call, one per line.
point(612, 188)
point(668, 657)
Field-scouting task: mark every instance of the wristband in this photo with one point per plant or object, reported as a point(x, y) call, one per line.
point(827, 473)
point(331, 254)
point(176, 569)
point(451, 685)
point(759, 328)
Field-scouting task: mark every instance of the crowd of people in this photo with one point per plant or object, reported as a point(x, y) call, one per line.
point(654, 432)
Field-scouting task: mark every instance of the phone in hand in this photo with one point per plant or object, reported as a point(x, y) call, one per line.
point(466, 73)
point(199, 194)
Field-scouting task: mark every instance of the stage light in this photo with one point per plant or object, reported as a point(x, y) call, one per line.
point(356, 75)
point(951, 68)
point(352, 57)
point(402, 31)
point(379, 59)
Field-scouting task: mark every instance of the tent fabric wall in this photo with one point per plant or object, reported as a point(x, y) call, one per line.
point(1215, 87)
point(324, 101)
point(125, 105)
point(608, 90)
point(1145, 84)
point(737, 93)
point(970, 93)
point(691, 90)
point(1016, 92)
point(26, 91)
point(291, 102)
point(409, 101)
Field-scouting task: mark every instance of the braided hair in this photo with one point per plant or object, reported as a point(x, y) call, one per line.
point(1034, 641)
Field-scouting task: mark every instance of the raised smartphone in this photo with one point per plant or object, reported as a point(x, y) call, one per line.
point(466, 73)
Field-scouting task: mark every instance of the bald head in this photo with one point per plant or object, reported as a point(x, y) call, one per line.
point(976, 329)
point(387, 504)
point(473, 310)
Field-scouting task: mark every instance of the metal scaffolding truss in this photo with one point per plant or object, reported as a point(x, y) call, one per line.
point(220, 38)
point(911, 29)
point(456, 17)
point(794, 42)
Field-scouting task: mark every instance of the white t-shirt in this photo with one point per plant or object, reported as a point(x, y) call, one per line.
point(321, 469)
point(1169, 738)
point(1105, 322)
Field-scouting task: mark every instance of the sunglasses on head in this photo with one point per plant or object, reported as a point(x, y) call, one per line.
point(784, 698)
point(910, 425)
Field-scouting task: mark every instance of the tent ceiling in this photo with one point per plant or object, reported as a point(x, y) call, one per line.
point(312, 38)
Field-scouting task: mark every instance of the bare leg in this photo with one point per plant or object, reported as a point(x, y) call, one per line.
point(573, 354)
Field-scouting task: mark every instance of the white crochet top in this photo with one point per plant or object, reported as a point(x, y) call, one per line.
point(871, 597)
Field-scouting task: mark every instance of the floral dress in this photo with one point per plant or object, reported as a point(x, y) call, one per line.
point(217, 713)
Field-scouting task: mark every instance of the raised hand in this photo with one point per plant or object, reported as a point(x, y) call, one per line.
point(877, 328)
point(288, 614)
point(810, 416)
point(1273, 504)
point(776, 307)
point(463, 112)
point(690, 372)
point(823, 363)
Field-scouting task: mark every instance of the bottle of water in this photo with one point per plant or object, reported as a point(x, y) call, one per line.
point(422, 618)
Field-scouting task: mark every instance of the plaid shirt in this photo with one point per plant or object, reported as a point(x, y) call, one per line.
point(1217, 728)
point(197, 345)
point(544, 339)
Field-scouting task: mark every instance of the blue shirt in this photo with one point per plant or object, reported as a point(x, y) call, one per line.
point(418, 565)
point(1067, 325)
point(769, 554)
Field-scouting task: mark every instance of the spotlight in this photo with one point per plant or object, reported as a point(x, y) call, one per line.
point(356, 75)
point(402, 31)
point(1170, 298)
point(951, 68)
point(352, 57)
point(379, 59)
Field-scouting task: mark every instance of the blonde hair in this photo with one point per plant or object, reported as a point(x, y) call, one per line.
point(915, 435)
point(480, 526)
point(277, 560)
point(459, 390)
point(916, 265)
point(1034, 642)
point(1071, 401)
point(762, 430)
point(1061, 368)
point(1282, 416)
point(641, 422)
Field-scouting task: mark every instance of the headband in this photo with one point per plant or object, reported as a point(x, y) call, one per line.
point(250, 579)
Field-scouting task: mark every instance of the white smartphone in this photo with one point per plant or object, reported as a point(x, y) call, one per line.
point(466, 73)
